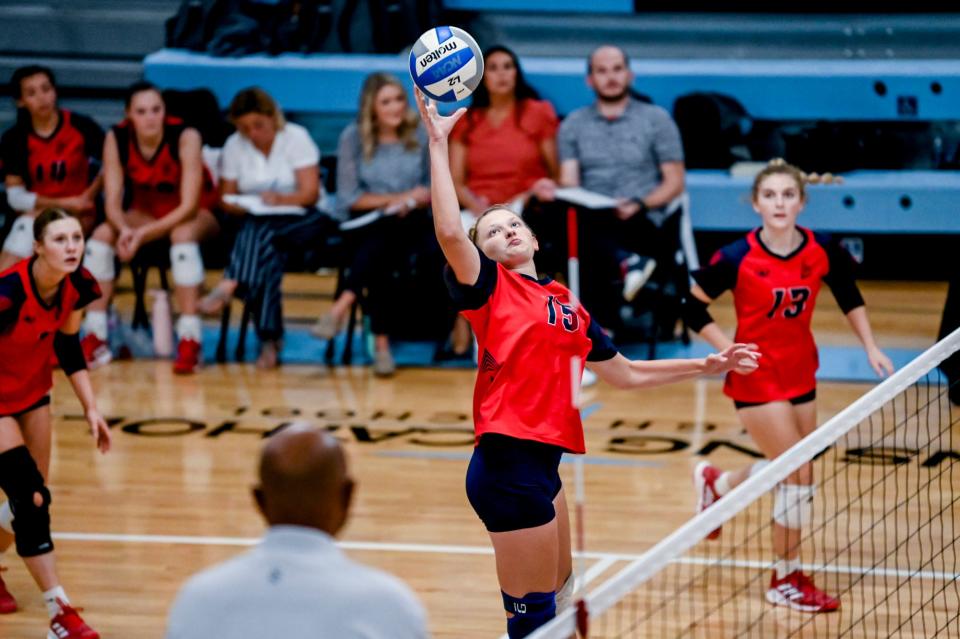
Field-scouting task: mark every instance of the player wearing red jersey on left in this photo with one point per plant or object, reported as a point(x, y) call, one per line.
point(51, 158)
point(40, 310)
point(155, 187)
point(775, 273)
point(529, 331)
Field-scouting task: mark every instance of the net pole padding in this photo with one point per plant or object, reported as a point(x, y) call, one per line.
point(754, 487)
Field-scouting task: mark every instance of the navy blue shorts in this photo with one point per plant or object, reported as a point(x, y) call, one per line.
point(40, 403)
point(511, 483)
point(799, 399)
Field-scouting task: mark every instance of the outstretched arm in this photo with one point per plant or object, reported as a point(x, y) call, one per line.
point(460, 252)
point(624, 373)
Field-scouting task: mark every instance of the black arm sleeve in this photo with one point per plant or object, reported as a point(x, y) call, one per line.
point(470, 297)
point(69, 353)
point(840, 278)
point(602, 349)
point(695, 313)
point(13, 153)
point(721, 274)
point(11, 299)
point(87, 287)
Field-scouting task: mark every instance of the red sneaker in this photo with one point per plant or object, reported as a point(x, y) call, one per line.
point(68, 625)
point(95, 351)
point(188, 357)
point(705, 477)
point(7, 603)
point(797, 591)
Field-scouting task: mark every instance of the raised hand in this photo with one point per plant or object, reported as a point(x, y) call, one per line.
point(438, 126)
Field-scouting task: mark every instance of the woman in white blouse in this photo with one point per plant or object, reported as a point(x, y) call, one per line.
point(279, 162)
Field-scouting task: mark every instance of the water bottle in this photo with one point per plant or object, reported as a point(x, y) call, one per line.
point(162, 324)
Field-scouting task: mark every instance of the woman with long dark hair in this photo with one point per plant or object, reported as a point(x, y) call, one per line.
point(504, 150)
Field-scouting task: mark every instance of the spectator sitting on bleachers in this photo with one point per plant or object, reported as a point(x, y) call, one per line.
point(278, 161)
point(382, 164)
point(505, 149)
point(627, 149)
point(155, 188)
point(51, 158)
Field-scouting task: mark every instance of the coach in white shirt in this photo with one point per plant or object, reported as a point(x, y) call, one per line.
point(297, 583)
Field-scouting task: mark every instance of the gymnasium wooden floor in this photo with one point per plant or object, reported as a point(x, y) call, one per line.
point(173, 495)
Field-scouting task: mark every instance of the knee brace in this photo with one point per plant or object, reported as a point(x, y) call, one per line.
point(530, 611)
point(19, 241)
point(793, 505)
point(21, 480)
point(565, 594)
point(186, 264)
point(100, 259)
point(6, 517)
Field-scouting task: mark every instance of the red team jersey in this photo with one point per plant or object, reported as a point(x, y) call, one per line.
point(27, 328)
point(774, 298)
point(527, 331)
point(60, 165)
point(152, 185)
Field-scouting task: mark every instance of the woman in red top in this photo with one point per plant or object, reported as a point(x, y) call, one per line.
point(505, 148)
point(40, 310)
point(533, 338)
point(775, 273)
point(155, 187)
point(51, 158)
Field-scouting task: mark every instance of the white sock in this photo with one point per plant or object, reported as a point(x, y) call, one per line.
point(189, 327)
point(96, 323)
point(51, 596)
point(784, 567)
point(722, 485)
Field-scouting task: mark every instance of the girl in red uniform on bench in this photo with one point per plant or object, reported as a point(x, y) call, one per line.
point(156, 187)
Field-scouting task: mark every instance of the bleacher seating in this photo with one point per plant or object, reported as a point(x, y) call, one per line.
point(889, 202)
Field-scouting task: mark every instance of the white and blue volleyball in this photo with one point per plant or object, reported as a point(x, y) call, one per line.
point(446, 63)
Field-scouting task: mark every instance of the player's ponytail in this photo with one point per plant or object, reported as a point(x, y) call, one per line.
point(779, 166)
point(47, 217)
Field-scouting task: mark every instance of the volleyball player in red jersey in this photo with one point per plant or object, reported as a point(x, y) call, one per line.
point(529, 331)
point(40, 311)
point(155, 187)
point(51, 158)
point(775, 273)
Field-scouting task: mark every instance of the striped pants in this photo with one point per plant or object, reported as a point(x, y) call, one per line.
point(257, 266)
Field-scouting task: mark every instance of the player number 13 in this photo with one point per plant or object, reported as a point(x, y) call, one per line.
point(793, 300)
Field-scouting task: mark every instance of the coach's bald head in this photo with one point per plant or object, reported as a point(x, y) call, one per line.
point(304, 480)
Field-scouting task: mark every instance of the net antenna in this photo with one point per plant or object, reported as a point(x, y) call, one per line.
point(579, 610)
point(884, 536)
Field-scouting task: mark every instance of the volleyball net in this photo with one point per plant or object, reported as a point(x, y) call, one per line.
point(882, 536)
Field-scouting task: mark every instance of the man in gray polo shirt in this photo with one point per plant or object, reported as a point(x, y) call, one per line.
point(297, 583)
point(626, 149)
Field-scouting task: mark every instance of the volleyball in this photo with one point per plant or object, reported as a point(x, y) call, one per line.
point(446, 64)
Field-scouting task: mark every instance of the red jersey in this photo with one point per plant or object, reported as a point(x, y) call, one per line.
point(152, 185)
point(27, 327)
point(60, 165)
point(774, 298)
point(527, 331)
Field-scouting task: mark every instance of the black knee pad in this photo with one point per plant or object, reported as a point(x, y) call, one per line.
point(21, 480)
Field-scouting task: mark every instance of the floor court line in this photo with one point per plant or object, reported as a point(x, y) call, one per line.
point(445, 549)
